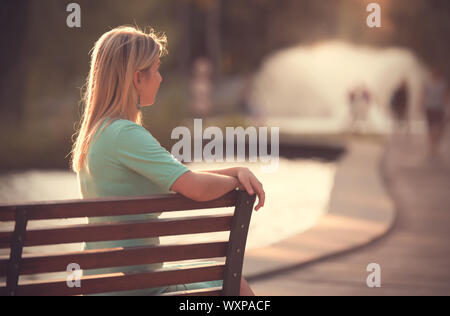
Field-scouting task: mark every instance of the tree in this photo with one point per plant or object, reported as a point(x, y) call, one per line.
point(13, 27)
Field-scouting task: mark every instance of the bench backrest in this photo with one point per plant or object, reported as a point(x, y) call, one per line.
point(233, 249)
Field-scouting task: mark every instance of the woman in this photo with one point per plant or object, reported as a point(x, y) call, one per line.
point(114, 155)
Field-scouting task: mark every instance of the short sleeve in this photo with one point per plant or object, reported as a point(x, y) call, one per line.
point(138, 150)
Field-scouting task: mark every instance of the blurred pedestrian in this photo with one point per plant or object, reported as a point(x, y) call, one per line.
point(201, 88)
point(399, 106)
point(435, 97)
point(244, 106)
point(360, 101)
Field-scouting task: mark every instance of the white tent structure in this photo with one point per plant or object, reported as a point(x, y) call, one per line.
point(304, 90)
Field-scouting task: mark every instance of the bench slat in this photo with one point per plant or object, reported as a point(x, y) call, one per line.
point(114, 206)
point(120, 282)
point(123, 230)
point(119, 257)
point(5, 239)
point(214, 291)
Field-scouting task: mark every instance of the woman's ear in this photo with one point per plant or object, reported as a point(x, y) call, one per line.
point(137, 80)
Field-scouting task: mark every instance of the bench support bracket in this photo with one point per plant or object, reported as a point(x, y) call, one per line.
point(237, 241)
point(15, 257)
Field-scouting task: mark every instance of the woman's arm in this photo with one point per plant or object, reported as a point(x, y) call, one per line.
point(203, 186)
point(246, 181)
point(231, 172)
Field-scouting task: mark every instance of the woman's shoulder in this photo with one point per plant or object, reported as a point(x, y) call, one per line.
point(120, 123)
point(120, 130)
point(116, 126)
point(129, 132)
point(124, 126)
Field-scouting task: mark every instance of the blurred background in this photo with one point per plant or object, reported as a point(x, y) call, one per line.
point(315, 69)
point(277, 60)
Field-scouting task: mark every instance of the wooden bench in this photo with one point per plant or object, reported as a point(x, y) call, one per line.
point(237, 223)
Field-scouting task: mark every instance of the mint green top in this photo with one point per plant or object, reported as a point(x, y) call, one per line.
point(124, 159)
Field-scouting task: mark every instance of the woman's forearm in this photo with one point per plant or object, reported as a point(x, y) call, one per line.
point(231, 172)
point(212, 186)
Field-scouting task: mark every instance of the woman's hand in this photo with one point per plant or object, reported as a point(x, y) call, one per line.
point(249, 183)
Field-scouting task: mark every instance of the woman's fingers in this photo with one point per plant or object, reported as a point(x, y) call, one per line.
point(247, 186)
point(258, 188)
point(251, 184)
point(261, 200)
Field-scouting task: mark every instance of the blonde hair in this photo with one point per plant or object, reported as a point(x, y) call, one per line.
point(110, 93)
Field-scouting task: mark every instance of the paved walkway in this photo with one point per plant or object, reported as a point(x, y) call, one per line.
point(413, 251)
point(351, 221)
